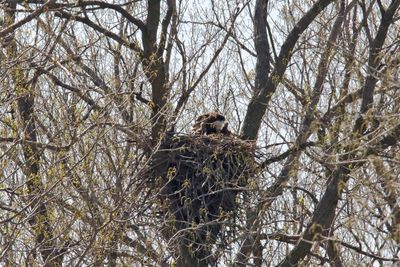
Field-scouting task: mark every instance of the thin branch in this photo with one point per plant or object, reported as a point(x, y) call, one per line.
point(186, 94)
point(140, 24)
point(285, 154)
point(258, 105)
point(135, 47)
point(27, 19)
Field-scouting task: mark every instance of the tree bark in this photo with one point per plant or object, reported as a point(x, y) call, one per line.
point(259, 103)
point(324, 213)
point(40, 220)
point(154, 65)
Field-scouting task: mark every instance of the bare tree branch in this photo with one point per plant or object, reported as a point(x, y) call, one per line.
point(258, 105)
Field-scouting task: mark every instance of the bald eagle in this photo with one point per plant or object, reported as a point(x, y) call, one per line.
point(211, 123)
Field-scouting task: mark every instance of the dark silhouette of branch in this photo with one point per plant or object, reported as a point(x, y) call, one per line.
point(186, 94)
point(134, 46)
point(31, 16)
point(324, 213)
point(258, 104)
point(103, 5)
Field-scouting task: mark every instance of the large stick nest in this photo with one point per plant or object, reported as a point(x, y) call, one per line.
point(199, 177)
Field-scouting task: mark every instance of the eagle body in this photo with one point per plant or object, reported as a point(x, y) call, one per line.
point(210, 123)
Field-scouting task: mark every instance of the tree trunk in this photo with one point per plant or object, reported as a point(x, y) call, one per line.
point(39, 221)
